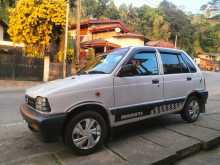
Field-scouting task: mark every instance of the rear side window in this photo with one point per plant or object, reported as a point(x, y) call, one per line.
point(173, 63)
point(189, 63)
point(183, 65)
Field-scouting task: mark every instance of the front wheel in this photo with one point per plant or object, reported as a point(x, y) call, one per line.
point(191, 110)
point(86, 132)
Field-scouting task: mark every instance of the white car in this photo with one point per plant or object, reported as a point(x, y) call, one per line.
point(128, 85)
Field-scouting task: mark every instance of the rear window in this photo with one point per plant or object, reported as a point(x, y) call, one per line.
point(173, 63)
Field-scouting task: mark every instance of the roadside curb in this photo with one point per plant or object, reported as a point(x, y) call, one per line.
point(195, 137)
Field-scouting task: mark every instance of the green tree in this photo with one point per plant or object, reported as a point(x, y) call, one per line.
point(180, 25)
point(100, 9)
point(129, 16)
point(152, 24)
point(112, 11)
point(89, 8)
point(4, 8)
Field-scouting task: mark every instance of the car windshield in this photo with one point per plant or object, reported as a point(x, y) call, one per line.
point(109, 62)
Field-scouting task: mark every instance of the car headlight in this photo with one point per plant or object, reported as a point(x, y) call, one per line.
point(42, 104)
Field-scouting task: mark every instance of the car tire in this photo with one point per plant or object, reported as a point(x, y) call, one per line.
point(191, 110)
point(31, 129)
point(86, 132)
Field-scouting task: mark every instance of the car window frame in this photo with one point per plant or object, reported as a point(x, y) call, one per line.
point(180, 57)
point(192, 64)
point(178, 54)
point(135, 51)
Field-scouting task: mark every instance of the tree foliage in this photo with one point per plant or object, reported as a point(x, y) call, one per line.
point(4, 7)
point(195, 33)
point(180, 25)
point(100, 9)
point(37, 23)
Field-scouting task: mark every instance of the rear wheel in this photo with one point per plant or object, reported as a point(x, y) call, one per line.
point(191, 109)
point(86, 132)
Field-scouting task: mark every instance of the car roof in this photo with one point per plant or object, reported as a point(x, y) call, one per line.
point(173, 50)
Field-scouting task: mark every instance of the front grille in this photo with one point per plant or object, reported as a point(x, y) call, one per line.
point(30, 101)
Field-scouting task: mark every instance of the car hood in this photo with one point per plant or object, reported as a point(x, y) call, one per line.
point(71, 83)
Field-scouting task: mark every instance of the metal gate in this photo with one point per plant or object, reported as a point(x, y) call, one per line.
point(14, 66)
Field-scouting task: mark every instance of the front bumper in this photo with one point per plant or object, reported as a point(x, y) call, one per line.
point(204, 96)
point(49, 126)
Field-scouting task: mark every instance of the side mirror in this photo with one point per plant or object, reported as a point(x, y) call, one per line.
point(126, 70)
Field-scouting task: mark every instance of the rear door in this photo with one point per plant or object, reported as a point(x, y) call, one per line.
point(177, 77)
point(197, 77)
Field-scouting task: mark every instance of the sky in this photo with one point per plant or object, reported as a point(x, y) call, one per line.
point(186, 5)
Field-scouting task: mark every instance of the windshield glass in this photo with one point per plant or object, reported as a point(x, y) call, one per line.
point(109, 62)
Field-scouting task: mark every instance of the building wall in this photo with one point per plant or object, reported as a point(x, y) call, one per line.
point(103, 35)
point(207, 62)
point(86, 34)
point(1, 33)
point(124, 42)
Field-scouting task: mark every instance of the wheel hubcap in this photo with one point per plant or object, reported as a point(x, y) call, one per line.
point(194, 109)
point(86, 134)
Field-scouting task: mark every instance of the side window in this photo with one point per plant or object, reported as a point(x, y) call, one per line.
point(145, 63)
point(184, 67)
point(189, 63)
point(171, 63)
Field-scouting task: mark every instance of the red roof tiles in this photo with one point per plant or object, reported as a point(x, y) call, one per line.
point(98, 43)
point(104, 21)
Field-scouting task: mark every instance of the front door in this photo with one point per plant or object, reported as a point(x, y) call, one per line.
point(141, 86)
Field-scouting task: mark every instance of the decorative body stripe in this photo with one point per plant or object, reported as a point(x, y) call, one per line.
point(154, 109)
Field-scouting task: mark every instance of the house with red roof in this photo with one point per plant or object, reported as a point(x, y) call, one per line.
point(103, 35)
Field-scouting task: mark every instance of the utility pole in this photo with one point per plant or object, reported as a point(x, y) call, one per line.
point(78, 15)
point(176, 39)
point(66, 39)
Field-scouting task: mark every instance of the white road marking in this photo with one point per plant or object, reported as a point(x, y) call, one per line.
point(12, 124)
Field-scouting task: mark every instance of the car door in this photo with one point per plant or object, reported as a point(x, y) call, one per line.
point(177, 77)
point(143, 85)
point(197, 78)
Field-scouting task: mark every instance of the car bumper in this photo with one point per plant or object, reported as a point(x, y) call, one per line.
point(49, 126)
point(204, 96)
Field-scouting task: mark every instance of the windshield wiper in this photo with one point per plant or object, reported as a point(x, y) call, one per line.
point(96, 72)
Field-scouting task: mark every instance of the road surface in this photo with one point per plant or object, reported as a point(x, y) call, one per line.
point(16, 141)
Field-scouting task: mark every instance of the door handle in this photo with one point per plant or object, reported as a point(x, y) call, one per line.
point(189, 78)
point(155, 81)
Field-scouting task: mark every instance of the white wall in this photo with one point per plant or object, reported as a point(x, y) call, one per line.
point(1, 33)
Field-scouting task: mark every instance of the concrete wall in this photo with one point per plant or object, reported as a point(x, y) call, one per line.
point(1, 33)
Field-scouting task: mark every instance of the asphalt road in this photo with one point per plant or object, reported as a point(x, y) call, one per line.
point(9, 106)
point(13, 131)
